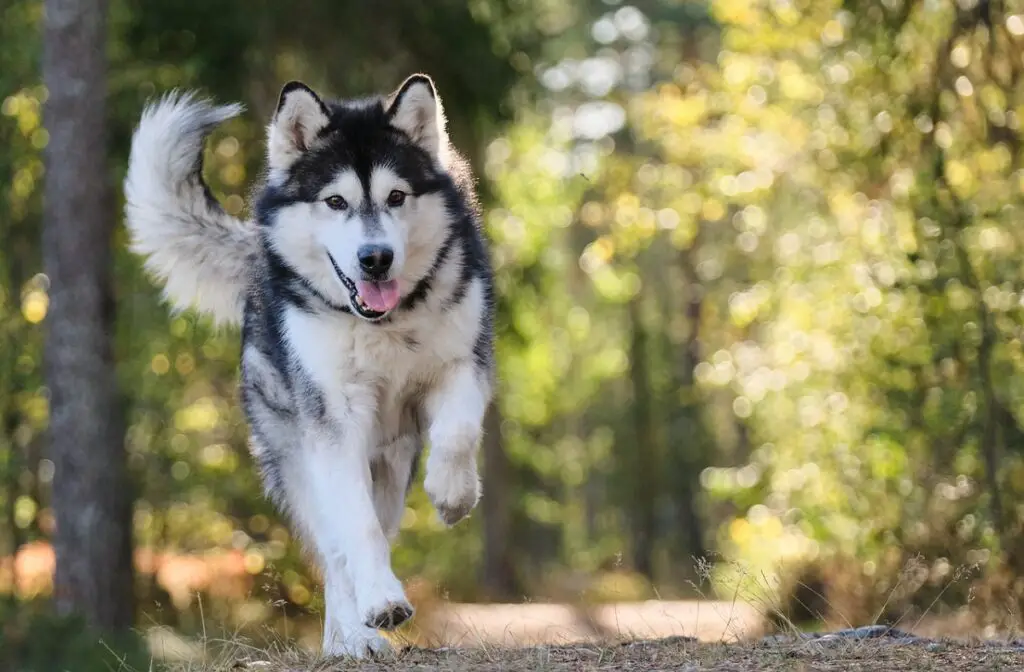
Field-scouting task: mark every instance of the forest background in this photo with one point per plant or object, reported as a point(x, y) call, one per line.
point(760, 323)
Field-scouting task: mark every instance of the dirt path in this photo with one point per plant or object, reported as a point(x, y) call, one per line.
point(535, 624)
point(642, 636)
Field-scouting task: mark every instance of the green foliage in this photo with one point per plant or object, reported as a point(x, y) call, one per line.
point(843, 183)
point(33, 640)
point(814, 212)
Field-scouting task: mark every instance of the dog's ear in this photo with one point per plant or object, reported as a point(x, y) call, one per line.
point(300, 115)
point(415, 109)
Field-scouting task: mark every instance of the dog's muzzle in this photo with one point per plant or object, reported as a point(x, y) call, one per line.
point(373, 296)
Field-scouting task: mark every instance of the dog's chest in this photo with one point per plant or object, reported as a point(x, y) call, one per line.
point(388, 366)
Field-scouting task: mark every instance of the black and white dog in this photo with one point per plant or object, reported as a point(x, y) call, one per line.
point(365, 297)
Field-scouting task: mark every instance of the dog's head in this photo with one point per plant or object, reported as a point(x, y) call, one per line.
point(355, 191)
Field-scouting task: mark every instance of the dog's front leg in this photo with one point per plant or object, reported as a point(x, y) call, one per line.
point(455, 410)
point(337, 508)
point(344, 630)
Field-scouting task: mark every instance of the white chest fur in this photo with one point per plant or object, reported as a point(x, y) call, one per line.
point(361, 367)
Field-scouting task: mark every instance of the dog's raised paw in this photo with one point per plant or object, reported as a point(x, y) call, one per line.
point(453, 490)
point(392, 616)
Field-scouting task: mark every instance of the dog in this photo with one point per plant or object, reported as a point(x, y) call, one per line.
point(364, 293)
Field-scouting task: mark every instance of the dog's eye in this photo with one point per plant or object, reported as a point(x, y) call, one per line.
point(336, 203)
point(396, 198)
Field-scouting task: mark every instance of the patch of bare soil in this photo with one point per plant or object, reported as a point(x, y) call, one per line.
point(524, 625)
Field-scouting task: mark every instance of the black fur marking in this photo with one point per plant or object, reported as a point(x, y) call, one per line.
point(268, 461)
point(411, 342)
point(262, 329)
point(411, 81)
point(359, 137)
point(293, 86)
point(314, 401)
point(286, 283)
point(483, 348)
point(258, 388)
point(415, 466)
point(422, 289)
point(197, 177)
point(474, 259)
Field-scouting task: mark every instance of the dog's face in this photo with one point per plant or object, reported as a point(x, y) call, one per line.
point(355, 192)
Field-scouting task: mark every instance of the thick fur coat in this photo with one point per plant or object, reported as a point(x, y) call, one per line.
point(364, 294)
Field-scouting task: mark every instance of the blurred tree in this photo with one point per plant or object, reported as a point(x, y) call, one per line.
point(91, 495)
point(498, 572)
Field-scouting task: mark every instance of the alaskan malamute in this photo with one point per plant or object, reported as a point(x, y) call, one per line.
point(364, 294)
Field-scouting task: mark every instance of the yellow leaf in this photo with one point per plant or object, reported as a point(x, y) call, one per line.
point(34, 306)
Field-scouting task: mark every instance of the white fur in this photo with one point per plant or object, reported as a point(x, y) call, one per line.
point(344, 633)
point(198, 252)
point(456, 408)
point(364, 370)
point(343, 233)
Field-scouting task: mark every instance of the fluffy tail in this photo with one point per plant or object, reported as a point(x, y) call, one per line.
point(200, 253)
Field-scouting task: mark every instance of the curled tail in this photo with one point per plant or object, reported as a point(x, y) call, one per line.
point(201, 254)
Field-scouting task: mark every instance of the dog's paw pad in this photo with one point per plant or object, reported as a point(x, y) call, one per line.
point(453, 491)
point(392, 616)
point(454, 513)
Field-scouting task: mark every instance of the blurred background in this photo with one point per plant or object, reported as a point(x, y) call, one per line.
point(761, 309)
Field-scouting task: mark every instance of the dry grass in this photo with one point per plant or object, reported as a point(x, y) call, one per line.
point(675, 653)
point(632, 636)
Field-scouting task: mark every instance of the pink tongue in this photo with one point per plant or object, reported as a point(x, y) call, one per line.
point(379, 296)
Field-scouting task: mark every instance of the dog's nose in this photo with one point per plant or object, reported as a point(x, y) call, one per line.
point(375, 259)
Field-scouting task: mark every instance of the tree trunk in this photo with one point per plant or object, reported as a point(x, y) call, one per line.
point(689, 436)
point(499, 577)
point(640, 462)
point(91, 499)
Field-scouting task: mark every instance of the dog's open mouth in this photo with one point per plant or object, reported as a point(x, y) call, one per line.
point(371, 299)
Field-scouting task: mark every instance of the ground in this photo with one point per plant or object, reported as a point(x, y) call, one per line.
point(676, 653)
point(640, 636)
